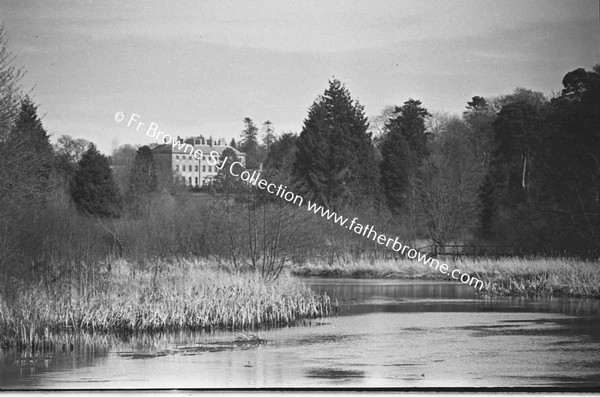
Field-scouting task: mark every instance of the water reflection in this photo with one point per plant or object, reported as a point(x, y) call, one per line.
point(389, 333)
point(421, 296)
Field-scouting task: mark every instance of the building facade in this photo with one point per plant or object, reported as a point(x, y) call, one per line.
point(179, 162)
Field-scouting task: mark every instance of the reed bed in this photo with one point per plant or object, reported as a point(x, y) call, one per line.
point(186, 294)
point(368, 268)
point(502, 276)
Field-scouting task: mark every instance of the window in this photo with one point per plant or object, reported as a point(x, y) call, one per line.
point(204, 158)
point(183, 179)
point(177, 157)
point(190, 157)
point(203, 168)
point(183, 168)
point(209, 168)
point(190, 179)
point(196, 178)
point(196, 168)
point(176, 168)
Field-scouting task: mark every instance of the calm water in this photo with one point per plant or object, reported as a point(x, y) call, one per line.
point(389, 333)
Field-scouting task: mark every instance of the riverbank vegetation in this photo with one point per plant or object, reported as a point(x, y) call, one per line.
point(519, 169)
point(501, 276)
point(161, 296)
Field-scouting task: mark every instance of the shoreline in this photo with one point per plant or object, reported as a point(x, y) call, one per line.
point(535, 277)
point(192, 294)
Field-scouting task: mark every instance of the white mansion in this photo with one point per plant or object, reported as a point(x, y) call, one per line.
point(181, 161)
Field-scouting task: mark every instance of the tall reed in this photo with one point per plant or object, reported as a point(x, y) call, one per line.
point(186, 294)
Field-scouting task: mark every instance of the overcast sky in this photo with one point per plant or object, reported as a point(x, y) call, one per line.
point(199, 67)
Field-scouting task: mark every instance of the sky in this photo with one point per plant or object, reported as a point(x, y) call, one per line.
point(200, 67)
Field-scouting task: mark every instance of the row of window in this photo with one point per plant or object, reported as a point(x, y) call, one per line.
point(189, 182)
point(190, 157)
point(195, 168)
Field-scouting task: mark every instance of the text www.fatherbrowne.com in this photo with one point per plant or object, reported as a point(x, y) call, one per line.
point(254, 178)
point(369, 232)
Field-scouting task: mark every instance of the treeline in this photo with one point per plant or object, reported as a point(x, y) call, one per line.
point(520, 170)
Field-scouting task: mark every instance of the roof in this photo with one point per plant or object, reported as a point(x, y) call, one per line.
point(183, 148)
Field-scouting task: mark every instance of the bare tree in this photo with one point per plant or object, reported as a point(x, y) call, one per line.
point(10, 85)
point(448, 185)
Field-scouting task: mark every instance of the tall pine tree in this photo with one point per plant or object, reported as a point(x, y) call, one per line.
point(335, 162)
point(249, 143)
point(403, 151)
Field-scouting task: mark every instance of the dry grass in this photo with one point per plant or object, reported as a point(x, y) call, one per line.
point(185, 294)
point(535, 277)
point(502, 276)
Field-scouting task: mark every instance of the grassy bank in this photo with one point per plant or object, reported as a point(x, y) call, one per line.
point(192, 294)
point(505, 276)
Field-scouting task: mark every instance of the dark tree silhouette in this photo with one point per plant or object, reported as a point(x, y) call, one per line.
point(335, 162)
point(93, 188)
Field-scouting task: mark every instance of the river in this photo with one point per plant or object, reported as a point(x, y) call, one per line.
point(389, 333)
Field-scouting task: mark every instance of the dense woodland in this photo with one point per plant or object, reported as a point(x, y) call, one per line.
point(520, 170)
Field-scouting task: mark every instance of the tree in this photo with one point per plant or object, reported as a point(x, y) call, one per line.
point(121, 162)
point(69, 152)
point(517, 132)
point(142, 181)
point(232, 143)
point(249, 143)
point(335, 163)
point(282, 154)
point(507, 187)
point(477, 103)
point(71, 149)
point(93, 189)
point(268, 134)
point(479, 116)
point(29, 132)
point(569, 166)
point(403, 150)
point(448, 185)
point(228, 183)
point(397, 169)
point(10, 85)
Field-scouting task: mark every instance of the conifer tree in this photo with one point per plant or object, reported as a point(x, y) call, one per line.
point(29, 132)
point(142, 180)
point(403, 150)
point(93, 189)
point(268, 134)
point(335, 163)
point(249, 143)
point(396, 169)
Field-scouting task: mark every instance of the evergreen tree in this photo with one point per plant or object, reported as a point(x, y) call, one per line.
point(335, 163)
point(569, 189)
point(232, 143)
point(403, 150)
point(249, 143)
point(410, 123)
point(30, 133)
point(268, 134)
point(282, 154)
point(396, 168)
point(142, 180)
point(93, 189)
